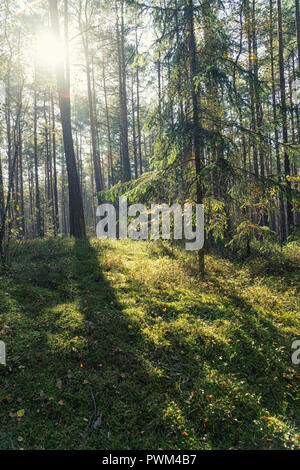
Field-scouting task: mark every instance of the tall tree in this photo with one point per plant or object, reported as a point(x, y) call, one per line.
point(77, 222)
point(281, 212)
point(196, 129)
point(92, 112)
point(287, 167)
point(126, 170)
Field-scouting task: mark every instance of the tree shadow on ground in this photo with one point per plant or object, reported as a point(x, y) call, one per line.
point(90, 377)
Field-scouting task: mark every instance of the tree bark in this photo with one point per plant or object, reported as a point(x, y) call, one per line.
point(196, 130)
point(287, 168)
point(95, 154)
point(77, 223)
point(134, 131)
point(298, 30)
point(281, 214)
point(109, 156)
point(55, 191)
point(123, 95)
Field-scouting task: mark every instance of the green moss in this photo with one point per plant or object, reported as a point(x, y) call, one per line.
point(169, 361)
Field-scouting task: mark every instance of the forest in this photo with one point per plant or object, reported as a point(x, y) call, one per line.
point(131, 344)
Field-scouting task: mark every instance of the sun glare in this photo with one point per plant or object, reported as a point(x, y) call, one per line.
point(50, 52)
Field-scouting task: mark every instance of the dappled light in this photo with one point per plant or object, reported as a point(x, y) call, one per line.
point(149, 228)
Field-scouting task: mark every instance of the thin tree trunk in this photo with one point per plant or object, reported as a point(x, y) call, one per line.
point(109, 157)
point(22, 205)
point(298, 30)
point(123, 96)
point(287, 168)
point(1, 192)
point(39, 222)
point(134, 131)
point(95, 154)
point(252, 84)
point(138, 119)
point(281, 216)
point(55, 190)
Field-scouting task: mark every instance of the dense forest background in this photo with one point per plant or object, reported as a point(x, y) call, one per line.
point(160, 100)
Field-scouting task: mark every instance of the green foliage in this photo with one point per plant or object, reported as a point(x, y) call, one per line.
point(247, 232)
point(216, 218)
point(136, 190)
point(169, 362)
point(154, 187)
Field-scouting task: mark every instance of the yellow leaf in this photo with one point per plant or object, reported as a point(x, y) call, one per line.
point(20, 413)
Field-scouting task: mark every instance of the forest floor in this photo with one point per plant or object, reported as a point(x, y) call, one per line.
point(118, 345)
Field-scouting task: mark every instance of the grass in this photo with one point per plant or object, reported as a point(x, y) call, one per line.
point(118, 345)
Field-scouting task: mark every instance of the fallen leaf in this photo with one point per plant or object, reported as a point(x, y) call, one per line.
point(188, 401)
point(7, 398)
point(59, 383)
point(20, 413)
point(98, 422)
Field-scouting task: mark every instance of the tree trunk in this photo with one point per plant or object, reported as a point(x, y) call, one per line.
point(109, 157)
point(298, 30)
point(249, 20)
point(287, 168)
point(281, 215)
point(1, 192)
point(39, 222)
point(55, 191)
point(123, 96)
point(77, 223)
point(196, 130)
point(138, 119)
point(134, 131)
point(96, 164)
